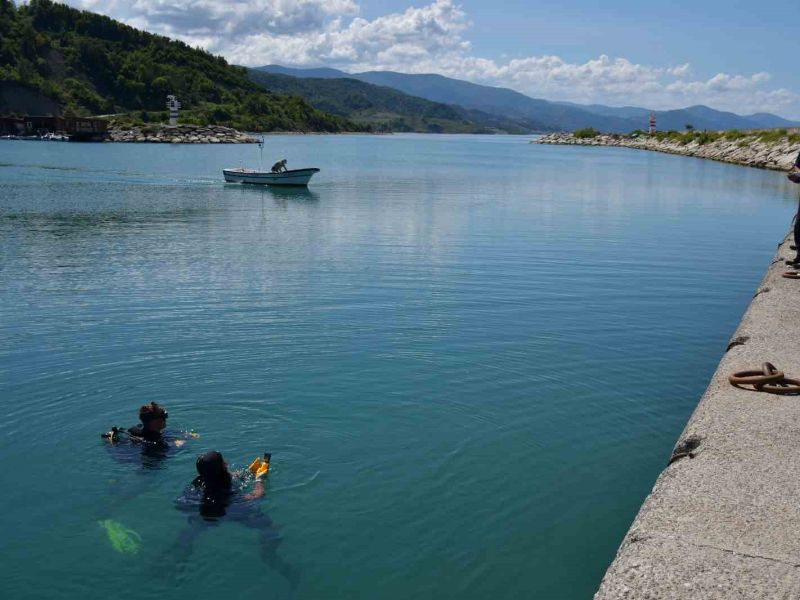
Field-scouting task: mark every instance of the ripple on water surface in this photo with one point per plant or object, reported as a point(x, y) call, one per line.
point(468, 383)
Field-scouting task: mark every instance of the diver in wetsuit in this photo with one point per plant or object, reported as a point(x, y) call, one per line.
point(148, 443)
point(216, 494)
point(153, 421)
point(146, 446)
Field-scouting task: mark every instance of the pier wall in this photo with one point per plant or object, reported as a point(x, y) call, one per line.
point(749, 151)
point(179, 134)
point(725, 523)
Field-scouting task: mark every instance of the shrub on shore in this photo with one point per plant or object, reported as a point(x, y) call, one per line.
point(743, 138)
point(586, 133)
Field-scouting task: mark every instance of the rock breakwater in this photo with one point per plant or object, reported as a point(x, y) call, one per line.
point(747, 150)
point(180, 134)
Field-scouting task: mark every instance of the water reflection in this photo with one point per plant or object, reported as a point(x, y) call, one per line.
point(285, 193)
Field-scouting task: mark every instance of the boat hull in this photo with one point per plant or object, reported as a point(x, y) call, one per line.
point(294, 177)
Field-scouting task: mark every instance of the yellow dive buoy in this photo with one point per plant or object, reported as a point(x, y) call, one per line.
point(260, 466)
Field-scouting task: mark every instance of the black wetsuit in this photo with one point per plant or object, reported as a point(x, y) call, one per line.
point(150, 437)
point(207, 509)
point(146, 448)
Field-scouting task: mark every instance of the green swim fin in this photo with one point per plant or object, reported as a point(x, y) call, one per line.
point(123, 540)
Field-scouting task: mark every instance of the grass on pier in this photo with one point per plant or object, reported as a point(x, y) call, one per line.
point(769, 136)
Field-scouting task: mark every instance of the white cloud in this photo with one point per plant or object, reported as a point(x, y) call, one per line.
point(222, 22)
point(429, 39)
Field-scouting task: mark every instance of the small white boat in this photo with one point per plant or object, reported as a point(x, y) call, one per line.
point(298, 177)
point(55, 137)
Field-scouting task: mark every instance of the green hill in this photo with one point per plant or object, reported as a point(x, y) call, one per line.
point(381, 108)
point(60, 60)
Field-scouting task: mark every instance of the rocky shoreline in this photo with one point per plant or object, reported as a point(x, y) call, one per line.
point(748, 150)
point(179, 134)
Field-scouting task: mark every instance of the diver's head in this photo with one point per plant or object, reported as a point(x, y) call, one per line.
point(153, 417)
point(213, 470)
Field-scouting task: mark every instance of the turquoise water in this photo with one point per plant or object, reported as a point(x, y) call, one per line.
point(469, 356)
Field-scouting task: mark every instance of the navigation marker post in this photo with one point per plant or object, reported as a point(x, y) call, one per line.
point(173, 106)
point(652, 123)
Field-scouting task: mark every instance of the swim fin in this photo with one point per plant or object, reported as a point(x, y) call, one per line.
point(123, 540)
point(260, 466)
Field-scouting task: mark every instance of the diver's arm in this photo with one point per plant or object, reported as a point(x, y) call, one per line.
point(182, 437)
point(258, 491)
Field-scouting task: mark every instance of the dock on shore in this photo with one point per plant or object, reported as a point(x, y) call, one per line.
point(725, 521)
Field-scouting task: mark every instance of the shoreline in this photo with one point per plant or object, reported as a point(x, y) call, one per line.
point(178, 134)
point(723, 521)
point(166, 134)
point(748, 150)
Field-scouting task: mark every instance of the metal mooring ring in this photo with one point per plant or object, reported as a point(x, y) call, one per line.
point(793, 387)
point(768, 368)
point(755, 377)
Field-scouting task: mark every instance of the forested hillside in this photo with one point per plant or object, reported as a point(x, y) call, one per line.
point(70, 61)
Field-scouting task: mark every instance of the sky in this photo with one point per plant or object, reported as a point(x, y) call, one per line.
point(739, 56)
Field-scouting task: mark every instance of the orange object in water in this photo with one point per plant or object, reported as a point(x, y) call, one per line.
point(260, 466)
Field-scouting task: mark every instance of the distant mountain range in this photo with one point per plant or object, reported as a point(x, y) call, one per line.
point(384, 108)
point(533, 114)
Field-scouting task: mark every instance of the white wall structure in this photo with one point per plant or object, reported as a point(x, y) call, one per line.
point(173, 106)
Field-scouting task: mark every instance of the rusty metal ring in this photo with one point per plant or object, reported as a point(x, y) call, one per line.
point(791, 275)
point(768, 368)
point(755, 377)
point(793, 387)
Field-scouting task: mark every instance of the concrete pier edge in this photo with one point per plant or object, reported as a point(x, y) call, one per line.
point(749, 151)
point(726, 523)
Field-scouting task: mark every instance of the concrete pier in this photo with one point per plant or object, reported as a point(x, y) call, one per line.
point(749, 151)
point(726, 523)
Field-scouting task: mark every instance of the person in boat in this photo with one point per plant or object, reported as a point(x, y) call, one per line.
point(795, 177)
point(218, 495)
point(279, 166)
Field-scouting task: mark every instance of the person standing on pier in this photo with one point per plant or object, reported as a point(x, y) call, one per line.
point(795, 177)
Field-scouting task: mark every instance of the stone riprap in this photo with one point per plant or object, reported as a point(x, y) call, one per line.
point(725, 523)
point(180, 134)
point(748, 151)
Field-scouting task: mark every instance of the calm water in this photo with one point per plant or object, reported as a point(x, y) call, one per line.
point(469, 356)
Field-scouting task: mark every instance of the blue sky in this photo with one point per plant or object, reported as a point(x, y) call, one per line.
point(741, 56)
point(712, 35)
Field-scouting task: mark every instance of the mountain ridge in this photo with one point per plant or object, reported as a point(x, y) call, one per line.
point(550, 115)
point(384, 108)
